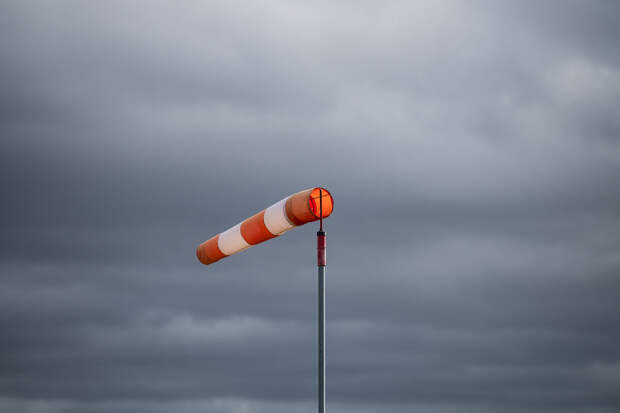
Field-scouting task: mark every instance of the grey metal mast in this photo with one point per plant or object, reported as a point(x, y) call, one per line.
point(321, 261)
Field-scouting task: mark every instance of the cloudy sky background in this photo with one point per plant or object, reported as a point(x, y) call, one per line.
point(473, 151)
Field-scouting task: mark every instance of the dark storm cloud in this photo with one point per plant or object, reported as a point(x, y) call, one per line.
point(472, 150)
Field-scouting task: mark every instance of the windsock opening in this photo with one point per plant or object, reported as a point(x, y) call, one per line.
point(315, 202)
point(304, 206)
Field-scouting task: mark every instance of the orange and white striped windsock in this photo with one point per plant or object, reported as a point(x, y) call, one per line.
point(293, 211)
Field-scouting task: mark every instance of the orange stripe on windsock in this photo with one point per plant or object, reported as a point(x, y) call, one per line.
point(208, 252)
point(298, 208)
point(254, 230)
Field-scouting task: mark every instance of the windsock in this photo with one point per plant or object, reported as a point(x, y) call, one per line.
point(293, 211)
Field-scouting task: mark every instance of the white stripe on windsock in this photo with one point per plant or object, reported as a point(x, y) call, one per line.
point(276, 220)
point(231, 241)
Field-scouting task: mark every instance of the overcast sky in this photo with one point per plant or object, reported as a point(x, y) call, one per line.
point(473, 152)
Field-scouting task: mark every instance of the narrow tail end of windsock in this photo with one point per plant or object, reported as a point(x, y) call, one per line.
point(208, 252)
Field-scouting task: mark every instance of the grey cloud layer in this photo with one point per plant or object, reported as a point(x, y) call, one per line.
point(472, 150)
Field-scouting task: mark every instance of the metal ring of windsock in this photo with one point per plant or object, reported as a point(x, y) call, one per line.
point(298, 209)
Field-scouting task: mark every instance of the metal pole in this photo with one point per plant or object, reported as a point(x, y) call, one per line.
point(321, 261)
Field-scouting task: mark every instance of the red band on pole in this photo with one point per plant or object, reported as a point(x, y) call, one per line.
point(320, 249)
